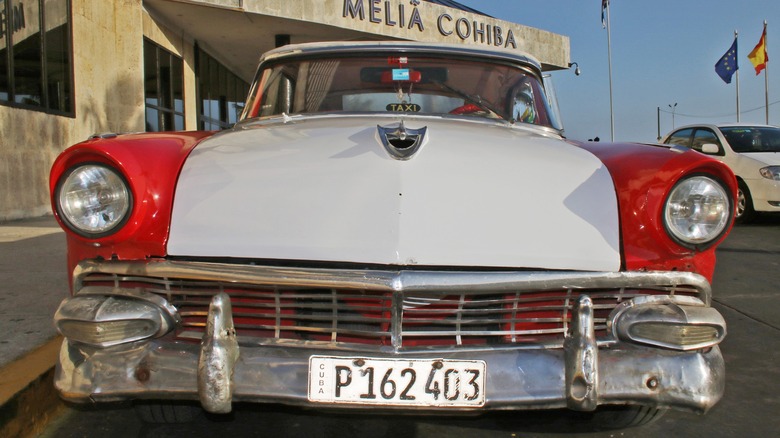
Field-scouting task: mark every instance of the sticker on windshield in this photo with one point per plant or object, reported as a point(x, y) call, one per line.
point(401, 60)
point(400, 74)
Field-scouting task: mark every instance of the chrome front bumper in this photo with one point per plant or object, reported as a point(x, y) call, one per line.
point(581, 375)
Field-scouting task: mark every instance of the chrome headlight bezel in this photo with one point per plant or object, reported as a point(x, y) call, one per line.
point(93, 200)
point(698, 211)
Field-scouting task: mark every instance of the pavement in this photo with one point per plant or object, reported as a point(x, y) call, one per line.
point(33, 281)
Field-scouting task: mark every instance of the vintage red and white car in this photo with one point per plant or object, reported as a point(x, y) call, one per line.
point(395, 226)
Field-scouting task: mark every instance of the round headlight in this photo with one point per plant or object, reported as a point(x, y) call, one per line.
point(697, 211)
point(93, 200)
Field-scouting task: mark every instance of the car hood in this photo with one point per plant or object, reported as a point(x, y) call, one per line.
point(326, 189)
point(769, 158)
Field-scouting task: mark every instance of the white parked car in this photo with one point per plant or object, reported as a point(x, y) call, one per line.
point(753, 154)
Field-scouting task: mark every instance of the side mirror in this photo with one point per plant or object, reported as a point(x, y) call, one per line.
point(710, 149)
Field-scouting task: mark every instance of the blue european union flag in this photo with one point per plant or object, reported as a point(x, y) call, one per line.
point(727, 66)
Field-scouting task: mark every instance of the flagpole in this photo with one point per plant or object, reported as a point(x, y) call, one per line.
point(609, 53)
point(766, 78)
point(736, 34)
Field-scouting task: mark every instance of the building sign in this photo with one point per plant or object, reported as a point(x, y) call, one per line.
point(408, 16)
point(16, 21)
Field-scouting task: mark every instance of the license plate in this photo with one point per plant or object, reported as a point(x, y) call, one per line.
point(397, 382)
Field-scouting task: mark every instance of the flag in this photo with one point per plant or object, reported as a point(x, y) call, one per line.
point(758, 56)
point(604, 6)
point(727, 65)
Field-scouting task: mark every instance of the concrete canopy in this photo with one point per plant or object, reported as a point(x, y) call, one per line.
point(239, 31)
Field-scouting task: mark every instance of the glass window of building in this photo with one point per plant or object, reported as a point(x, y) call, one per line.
point(35, 55)
point(221, 93)
point(163, 89)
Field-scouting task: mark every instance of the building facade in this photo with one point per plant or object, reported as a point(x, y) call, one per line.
point(73, 68)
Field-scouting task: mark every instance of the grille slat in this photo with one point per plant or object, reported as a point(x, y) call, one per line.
point(382, 317)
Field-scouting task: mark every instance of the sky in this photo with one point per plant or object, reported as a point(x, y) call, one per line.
point(663, 52)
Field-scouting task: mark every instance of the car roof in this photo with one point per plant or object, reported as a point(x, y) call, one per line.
point(396, 47)
point(723, 125)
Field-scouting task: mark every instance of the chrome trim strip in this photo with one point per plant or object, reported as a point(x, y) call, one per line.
point(437, 283)
point(396, 48)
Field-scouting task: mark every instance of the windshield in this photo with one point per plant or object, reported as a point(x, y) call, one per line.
point(752, 139)
point(416, 84)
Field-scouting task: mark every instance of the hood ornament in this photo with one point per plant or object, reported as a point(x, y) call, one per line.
point(401, 142)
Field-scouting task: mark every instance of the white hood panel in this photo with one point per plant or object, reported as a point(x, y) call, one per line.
point(770, 158)
point(327, 190)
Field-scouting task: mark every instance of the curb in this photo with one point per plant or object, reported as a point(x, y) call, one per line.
point(28, 400)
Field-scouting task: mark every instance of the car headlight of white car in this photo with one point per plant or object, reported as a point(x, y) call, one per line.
point(698, 211)
point(93, 200)
point(770, 172)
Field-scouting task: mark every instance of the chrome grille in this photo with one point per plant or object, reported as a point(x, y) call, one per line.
point(380, 316)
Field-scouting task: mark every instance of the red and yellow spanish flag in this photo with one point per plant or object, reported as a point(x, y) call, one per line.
point(758, 56)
